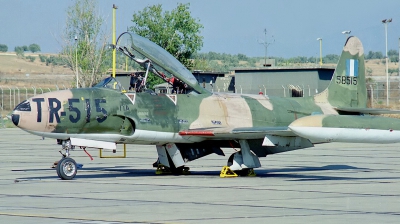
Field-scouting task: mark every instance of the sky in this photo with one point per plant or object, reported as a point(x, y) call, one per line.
point(230, 26)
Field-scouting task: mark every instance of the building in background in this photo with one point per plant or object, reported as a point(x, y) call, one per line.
point(283, 81)
point(272, 81)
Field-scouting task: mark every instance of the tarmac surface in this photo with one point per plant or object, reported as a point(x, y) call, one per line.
point(330, 183)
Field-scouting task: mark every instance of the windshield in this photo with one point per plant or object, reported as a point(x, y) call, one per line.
point(162, 63)
point(110, 83)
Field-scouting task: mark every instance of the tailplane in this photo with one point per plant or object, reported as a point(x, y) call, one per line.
point(347, 87)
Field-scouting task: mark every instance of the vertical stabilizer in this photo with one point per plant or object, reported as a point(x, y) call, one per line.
point(347, 87)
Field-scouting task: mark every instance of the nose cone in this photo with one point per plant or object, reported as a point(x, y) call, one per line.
point(15, 119)
point(22, 107)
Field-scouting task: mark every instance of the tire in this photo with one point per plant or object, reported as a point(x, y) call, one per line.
point(67, 169)
point(57, 169)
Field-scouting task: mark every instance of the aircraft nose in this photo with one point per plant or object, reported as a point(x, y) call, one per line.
point(15, 119)
point(24, 106)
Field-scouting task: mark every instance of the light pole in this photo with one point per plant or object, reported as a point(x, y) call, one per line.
point(320, 50)
point(114, 43)
point(385, 22)
point(76, 60)
point(346, 32)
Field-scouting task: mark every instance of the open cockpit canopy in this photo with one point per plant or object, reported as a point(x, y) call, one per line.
point(163, 64)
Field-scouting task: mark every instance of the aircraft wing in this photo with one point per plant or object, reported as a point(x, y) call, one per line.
point(374, 111)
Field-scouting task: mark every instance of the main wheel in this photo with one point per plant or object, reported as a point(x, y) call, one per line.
point(66, 168)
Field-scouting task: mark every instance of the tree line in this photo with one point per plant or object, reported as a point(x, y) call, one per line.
point(223, 62)
point(21, 49)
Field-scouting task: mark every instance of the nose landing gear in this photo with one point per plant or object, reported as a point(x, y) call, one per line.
point(66, 168)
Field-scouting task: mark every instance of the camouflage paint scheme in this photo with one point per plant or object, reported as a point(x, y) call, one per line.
point(205, 120)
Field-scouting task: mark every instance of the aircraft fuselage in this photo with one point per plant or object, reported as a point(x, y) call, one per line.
point(144, 118)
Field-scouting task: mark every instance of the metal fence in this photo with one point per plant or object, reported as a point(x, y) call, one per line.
point(12, 96)
point(379, 95)
point(276, 90)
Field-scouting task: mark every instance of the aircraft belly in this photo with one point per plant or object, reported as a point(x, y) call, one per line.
point(156, 137)
point(64, 136)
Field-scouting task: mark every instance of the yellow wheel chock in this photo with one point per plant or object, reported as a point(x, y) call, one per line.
point(251, 173)
point(227, 172)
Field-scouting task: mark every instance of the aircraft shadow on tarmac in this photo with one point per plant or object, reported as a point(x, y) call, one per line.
point(290, 173)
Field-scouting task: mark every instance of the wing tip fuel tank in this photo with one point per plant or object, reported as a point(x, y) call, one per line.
point(343, 128)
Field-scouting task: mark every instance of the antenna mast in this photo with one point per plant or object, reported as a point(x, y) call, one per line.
point(266, 44)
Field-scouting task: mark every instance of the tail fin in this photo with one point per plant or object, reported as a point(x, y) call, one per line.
point(347, 87)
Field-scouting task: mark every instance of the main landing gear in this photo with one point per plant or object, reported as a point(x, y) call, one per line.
point(172, 160)
point(241, 163)
point(165, 170)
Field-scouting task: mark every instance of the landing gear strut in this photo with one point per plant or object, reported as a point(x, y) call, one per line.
point(241, 163)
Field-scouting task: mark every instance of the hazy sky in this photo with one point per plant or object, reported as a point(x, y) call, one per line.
point(230, 26)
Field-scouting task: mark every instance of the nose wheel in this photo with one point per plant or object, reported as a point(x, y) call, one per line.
point(66, 168)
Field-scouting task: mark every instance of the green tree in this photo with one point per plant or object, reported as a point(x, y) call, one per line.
point(25, 48)
point(176, 31)
point(3, 48)
point(85, 42)
point(34, 48)
point(393, 53)
point(201, 64)
point(242, 57)
point(331, 58)
point(378, 55)
point(19, 51)
point(374, 55)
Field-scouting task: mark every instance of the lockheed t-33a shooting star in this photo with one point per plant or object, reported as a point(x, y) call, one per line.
point(195, 122)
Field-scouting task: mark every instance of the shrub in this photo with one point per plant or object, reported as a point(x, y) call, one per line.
point(42, 58)
point(31, 58)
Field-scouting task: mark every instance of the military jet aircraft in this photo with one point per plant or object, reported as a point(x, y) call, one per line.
point(195, 122)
